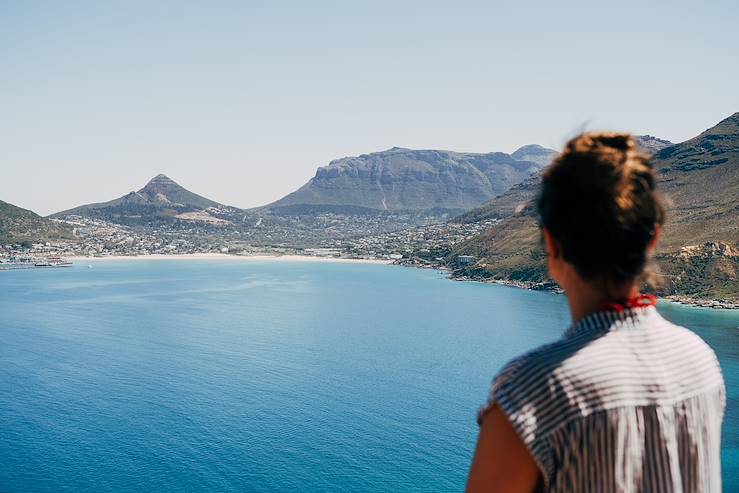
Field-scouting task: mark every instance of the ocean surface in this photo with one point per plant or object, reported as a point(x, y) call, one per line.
point(219, 375)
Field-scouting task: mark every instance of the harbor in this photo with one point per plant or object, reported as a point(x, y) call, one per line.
point(33, 262)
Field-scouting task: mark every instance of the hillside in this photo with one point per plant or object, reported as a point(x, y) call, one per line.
point(412, 180)
point(17, 225)
point(506, 204)
point(160, 199)
point(700, 177)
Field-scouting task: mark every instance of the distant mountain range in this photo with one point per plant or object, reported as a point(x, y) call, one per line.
point(405, 188)
point(410, 180)
point(160, 199)
point(396, 180)
point(701, 180)
point(18, 225)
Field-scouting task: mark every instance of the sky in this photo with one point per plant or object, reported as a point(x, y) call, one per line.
point(241, 101)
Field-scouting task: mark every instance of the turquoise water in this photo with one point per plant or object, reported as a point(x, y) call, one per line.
point(267, 376)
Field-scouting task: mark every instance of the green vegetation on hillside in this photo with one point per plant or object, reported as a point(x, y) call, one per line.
point(19, 225)
point(704, 270)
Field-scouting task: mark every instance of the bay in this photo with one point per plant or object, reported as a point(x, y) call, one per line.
point(184, 375)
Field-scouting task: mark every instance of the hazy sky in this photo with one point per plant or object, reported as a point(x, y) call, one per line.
point(241, 101)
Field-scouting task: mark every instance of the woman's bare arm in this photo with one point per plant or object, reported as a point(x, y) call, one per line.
point(502, 462)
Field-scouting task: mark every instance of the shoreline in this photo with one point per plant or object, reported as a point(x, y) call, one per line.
point(700, 303)
point(678, 299)
point(673, 298)
point(226, 256)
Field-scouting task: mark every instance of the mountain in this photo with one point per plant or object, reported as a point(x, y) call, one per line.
point(18, 225)
point(534, 153)
point(652, 144)
point(697, 254)
point(701, 178)
point(160, 199)
point(505, 205)
point(521, 194)
point(410, 180)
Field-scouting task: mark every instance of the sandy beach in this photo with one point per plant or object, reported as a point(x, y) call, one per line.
point(224, 256)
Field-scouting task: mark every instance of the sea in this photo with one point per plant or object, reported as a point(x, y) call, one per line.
point(268, 376)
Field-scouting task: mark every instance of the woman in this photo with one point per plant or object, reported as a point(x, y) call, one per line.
point(624, 401)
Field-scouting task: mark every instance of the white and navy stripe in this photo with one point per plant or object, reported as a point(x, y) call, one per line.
point(624, 402)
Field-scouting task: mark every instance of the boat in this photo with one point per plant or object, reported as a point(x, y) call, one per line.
point(53, 261)
point(56, 261)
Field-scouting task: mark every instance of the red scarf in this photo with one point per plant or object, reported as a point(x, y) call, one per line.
point(641, 301)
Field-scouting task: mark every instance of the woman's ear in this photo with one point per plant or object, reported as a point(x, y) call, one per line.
point(555, 265)
point(551, 244)
point(656, 234)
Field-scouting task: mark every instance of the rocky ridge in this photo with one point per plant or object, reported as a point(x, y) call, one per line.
point(407, 180)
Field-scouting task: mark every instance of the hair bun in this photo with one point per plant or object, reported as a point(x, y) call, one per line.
point(622, 142)
point(598, 199)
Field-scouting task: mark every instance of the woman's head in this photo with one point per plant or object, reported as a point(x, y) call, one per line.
point(600, 209)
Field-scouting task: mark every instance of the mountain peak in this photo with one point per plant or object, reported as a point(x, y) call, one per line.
point(716, 147)
point(731, 122)
point(159, 197)
point(529, 147)
point(162, 190)
point(160, 180)
point(534, 153)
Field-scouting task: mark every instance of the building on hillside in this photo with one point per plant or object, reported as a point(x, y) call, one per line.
point(466, 259)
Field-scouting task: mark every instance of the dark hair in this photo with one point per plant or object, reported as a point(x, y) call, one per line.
point(599, 201)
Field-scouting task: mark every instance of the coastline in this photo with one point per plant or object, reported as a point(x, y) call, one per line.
point(225, 256)
point(679, 299)
point(674, 298)
point(700, 303)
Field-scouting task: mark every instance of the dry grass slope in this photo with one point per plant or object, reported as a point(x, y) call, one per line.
point(701, 180)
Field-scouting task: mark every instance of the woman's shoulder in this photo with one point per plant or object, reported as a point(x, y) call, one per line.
point(686, 338)
point(658, 360)
point(523, 391)
point(608, 342)
point(537, 365)
point(526, 379)
point(688, 355)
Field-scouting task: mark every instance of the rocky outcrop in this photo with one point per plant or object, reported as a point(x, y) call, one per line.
point(652, 144)
point(697, 270)
point(709, 249)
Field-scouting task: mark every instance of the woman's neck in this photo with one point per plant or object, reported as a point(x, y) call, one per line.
point(584, 298)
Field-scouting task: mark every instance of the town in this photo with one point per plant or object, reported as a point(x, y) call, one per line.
point(356, 237)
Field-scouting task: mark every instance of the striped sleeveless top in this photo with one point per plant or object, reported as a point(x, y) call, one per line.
point(624, 402)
